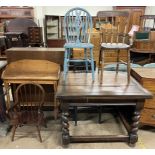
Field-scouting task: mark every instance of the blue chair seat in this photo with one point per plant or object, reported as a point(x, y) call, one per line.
point(122, 67)
point(78, 45)
point(151, 65)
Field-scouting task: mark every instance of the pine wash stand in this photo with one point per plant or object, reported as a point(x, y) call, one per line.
point(79, 90)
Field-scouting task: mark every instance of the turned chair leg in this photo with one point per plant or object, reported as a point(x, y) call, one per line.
point(118, 61)
point(38, 129)
point(86, 59)
point(92, 64)
point(65, 63)
point(13, 132)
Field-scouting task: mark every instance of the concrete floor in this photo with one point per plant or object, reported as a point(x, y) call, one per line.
point(26, 137)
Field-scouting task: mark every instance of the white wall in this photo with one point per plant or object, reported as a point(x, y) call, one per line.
point(41, 11)
point(61, 10)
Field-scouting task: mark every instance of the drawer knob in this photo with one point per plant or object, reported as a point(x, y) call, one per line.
point(153, 116)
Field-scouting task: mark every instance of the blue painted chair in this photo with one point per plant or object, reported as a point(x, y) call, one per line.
point(77, 28)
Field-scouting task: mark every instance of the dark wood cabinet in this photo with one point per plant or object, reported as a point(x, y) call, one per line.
point(53, 31)
point(35, 37)
point(9, 12)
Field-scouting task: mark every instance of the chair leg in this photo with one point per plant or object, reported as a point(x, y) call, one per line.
point(99, 60)
point(65, 63)
point(117, 65)
point(13, 132)
point(85, 57)
point(43, 122)
point(38, 129)
point(92, 63)
point(102, 65)
point(128, 65)
point(55, 113)
point(55, 108)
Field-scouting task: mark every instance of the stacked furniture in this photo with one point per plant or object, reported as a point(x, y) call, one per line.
point(35, 37)
point(144, 41)
point(40, 61)
point(146, 77)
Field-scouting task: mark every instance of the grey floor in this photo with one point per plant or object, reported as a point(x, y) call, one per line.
point(26, 137)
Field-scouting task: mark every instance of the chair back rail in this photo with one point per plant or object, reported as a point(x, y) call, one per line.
point(114, 26)
point(77, 26)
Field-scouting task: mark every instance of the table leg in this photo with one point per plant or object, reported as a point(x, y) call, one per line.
point(65, 124)
point(55, 102)
point(133, 136)
point(6, 85)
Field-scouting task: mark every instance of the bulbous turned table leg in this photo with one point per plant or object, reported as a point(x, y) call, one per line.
point(133, 136)
point(65, 128)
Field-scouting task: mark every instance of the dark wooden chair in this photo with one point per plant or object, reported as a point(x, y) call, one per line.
point(27, 109)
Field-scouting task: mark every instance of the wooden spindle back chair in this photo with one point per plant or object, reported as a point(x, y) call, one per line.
point(27, 109)
point(114, 36)
point(77, 28)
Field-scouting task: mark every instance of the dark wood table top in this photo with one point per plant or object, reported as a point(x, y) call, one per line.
point(80, 85)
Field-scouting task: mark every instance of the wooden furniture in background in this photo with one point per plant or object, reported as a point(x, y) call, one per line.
point(17, 32)
point(2, 99)
point(146, 77)
point(143, 50)
point(135, 13)
point(3, 46)
point(27, 109)
point(55, 55)
point(79, 90)
point(35, 36)
point(27, 70)
point(53, 31)
point(95, 40)
point(9, 12)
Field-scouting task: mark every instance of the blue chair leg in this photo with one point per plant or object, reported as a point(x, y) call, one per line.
point(92, 63)
point(85, 57)
point(65, 63)
point(68, 58)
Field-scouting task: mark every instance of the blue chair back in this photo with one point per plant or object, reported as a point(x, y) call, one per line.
point(77, 25)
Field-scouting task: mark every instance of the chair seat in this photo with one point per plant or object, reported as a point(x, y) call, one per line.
point(122, 67)
point(115, 45)
point(150, 65)
point(27, 117)
point(78, 45)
